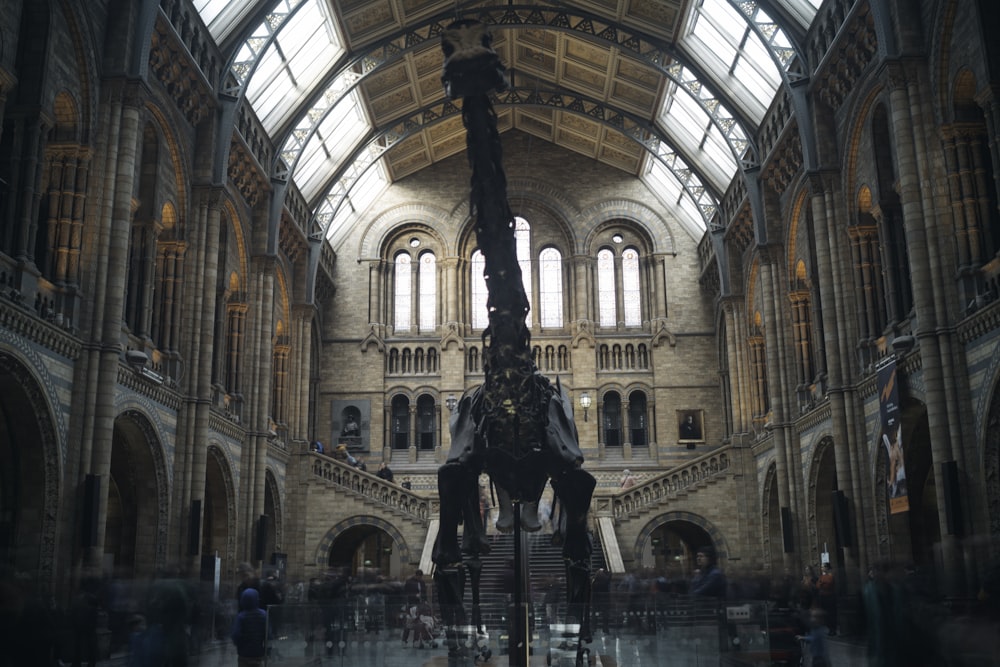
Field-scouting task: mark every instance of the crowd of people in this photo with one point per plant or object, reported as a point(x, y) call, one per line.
point(165, 621)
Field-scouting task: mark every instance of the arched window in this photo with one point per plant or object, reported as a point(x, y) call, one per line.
point(480, 317)
point(606, 287)
point(637, 419)
point(426, 423)
point(630, 287)
point(400, 422)
point(612, 420)
point(550, 287)
point(619, 287)
point(403, 293)
point(522, 243)
point(427, 280)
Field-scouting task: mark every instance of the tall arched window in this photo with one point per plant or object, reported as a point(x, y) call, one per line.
point(400, 422)
point(426, 422)
point(630, 287)
point(637, 419)
point(522, 242)
point(550, 287)
point(612, 420)
point(480, 317)
point(606, 287)
point(427, 279)
point(403, 293)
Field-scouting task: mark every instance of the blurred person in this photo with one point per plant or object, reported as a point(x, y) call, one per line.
point(385, 472)
point(819, 649)
point(84, 612)
point(708, 581)
point(600, 591)
point(249, 632)
point(881, 618)
point(826, 596)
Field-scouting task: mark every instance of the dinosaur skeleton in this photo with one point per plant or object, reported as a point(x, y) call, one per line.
point(517, 426)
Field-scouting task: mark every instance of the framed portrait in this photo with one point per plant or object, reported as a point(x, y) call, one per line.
point(351, 424)
point(690, 426)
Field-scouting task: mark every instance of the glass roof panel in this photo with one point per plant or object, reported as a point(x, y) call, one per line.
point(365, 191)
point(669, 190)
point(288, 71)
point(683, 116)
point(334, 141)
point(723, 42)
point(222, 16)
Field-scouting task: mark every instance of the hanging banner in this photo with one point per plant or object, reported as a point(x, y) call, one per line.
point(892, 438)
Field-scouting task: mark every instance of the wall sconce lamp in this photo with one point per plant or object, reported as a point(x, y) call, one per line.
point(451, 402)
point(585, 404)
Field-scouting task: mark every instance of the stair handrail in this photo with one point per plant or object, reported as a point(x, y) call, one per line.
point(373, 487)
point(667, 484)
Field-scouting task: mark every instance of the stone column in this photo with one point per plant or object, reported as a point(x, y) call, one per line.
point(834, 298)
point(124, 114)
point(934, 351)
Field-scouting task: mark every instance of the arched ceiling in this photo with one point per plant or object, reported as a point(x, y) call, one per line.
point(672, 91)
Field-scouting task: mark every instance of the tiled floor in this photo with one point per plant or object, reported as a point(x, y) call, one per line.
point(384, 650)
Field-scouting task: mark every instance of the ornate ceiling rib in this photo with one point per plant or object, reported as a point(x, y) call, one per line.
point(668, 62)
point(377, 143)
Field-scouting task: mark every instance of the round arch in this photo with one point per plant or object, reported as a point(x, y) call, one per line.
point(360, 526)
point(29, 476)
point(691, 530)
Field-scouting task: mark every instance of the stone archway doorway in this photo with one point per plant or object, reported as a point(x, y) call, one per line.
point(670, 548)
point(364, 549)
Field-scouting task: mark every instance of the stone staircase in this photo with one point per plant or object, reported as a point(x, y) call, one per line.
point(383, 497)
point(546, 571)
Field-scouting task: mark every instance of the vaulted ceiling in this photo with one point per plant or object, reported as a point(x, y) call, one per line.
point(671, 91)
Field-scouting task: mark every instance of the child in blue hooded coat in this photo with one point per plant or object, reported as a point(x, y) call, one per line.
point(250, 630)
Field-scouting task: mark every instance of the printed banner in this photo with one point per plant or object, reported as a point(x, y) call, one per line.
point(892, 438)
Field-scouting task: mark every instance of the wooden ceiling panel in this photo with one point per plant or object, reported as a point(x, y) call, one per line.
point(428, 59)
point(592, 81)
point(588, 54)
point(620, 159)
point(637, 73)
point(373, 19)
point(542, 39)
point(538, 125)
point(386, 79)
point(400, 166)
point(540, 62)
point(573, 141)
point(660, 17)
point(453, 144)
point(445, 128)
point(390, 106)
point(636, 100)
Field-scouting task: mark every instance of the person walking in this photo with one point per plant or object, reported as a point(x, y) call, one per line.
point(249, 632)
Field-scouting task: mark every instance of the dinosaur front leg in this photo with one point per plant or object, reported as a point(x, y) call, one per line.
point(574, 488)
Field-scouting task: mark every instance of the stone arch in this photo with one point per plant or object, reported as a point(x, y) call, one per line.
point(636, 215)
point(385, 228)
point(822, 480)
point(272, 508)
point(135, 442)
point(770, 510)
point(221, 488)
point(23, 395)
point(991, 463)
point(325, 544)
point(702, 524)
